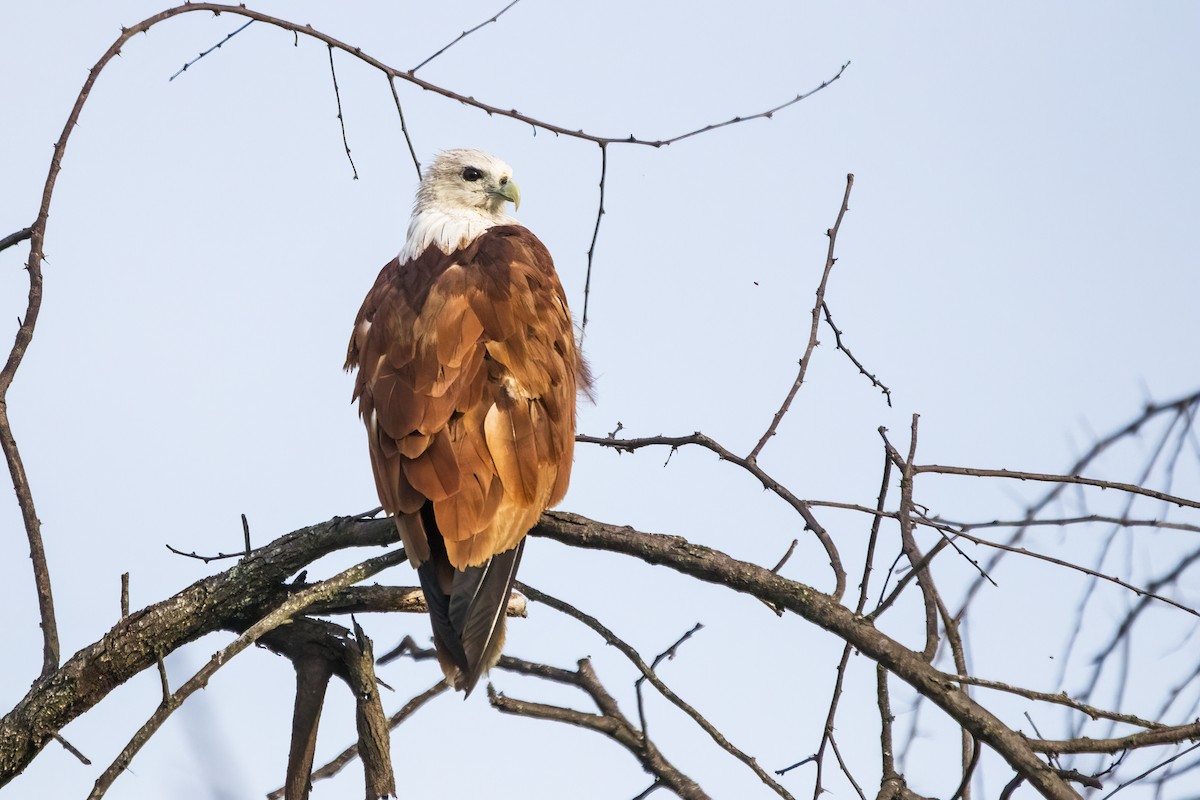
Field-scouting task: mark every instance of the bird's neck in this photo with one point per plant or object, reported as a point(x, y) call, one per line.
point(448, 230)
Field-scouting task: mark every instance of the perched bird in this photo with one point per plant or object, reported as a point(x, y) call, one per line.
point(467, 377)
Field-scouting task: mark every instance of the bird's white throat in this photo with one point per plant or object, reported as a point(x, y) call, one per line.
point(449, 230)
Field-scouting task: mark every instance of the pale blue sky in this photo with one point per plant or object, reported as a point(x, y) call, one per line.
point(1018, 265)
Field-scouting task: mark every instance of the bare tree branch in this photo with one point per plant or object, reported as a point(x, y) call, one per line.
point(837, 335)
point(404, 126)
point(650, 675)
point(215, 47)
point(464, 35)
point(281, 614)
point(16, 237)
point(341, 119)
point(802, 507)
point(830, 260)
point(350, 753)
point(822, 610)
point(587, 281)
point(1058, 479)
point(610, 722)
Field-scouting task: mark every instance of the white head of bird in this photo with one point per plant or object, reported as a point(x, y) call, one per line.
point(462, 194)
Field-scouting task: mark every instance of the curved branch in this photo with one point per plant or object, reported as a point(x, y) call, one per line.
point(820, 609)
point(649, 674)
point(511, 113)
point(137, 641)
point(802, 507)
point(278, 616)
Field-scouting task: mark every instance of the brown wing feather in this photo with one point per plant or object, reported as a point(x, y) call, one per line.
point(467, 377)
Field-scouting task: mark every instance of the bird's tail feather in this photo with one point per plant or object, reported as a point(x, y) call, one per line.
point(434, 574)
point(478, 603)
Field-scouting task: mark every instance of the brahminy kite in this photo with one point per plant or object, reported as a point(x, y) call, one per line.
point(467, 377)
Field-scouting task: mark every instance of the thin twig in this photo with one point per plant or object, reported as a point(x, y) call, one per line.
point(587, 283)
point(1138, 590)
point(830, 260)
point(404, 127)
point(246, 535)
point(799, 763)
point(124, 595)
point(1123, 522)
point(670, 652)
point(341, 120)
point(216, 46)
point(1058, 479)
point(70, 748)
point(15, 238)
point(1179, 405)
point(1153, 769)
point(968, 772)
point(649, 790)
point(206, 559)
point(791, 549)
point(464, 35)
point(162, 679)
point(837, 335)
point(673, 650)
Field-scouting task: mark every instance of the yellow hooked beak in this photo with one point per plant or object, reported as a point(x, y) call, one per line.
point(510, 192)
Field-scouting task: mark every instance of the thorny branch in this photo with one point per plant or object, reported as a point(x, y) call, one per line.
point(464, 35)
point(404, 126)
point(1180, 406)
point(1061, 480)
point(587, 281)
point(648, 674)
point(918, 563)
point(802, 507)
point(827, 737)
point(204, 53)
point(837, 335)
point(830, 260)
point(610, 722)
point(281, 614)
point(337, 94)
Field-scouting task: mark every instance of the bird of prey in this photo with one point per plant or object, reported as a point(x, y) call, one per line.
point(467, 376)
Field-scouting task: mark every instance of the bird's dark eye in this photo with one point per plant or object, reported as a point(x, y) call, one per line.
point(471, 174)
